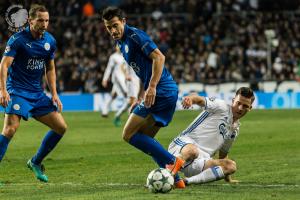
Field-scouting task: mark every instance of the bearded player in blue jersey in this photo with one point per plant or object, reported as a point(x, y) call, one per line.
point(29, 55)
point(160, 90)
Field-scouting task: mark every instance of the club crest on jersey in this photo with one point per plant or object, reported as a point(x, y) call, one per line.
point(47, 46)
point(16, 106)
point(126, 48)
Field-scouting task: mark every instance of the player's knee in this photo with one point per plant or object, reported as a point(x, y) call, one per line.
point(61, 129)
point(189, 152)
point(126, 135)
point(9, 131)
point(230, 166)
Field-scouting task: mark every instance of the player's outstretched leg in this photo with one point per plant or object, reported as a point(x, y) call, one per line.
point(152, 147)
point(4, 141)
point(38, 171)
point(49, 142)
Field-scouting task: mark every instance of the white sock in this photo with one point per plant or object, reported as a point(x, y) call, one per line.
point(208, 175)
point(122, 109)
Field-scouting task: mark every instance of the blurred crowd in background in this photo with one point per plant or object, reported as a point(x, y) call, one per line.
point(204, 41)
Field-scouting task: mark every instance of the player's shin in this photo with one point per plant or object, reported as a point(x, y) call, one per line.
point(4, 141)
point(208, 175)
point(153, 148)
point(49, 142)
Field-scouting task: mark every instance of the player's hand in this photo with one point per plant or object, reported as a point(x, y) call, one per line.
point(4, 98)
point(104, 84)
point(56, 101)
point(187, 102)
point(229, 179)
point(149, 97)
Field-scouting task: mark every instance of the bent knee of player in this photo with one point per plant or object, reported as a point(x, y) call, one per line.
point(189, 152)
point(9, 131)
point(127, 134)
point(229, 167)
point(61, 129)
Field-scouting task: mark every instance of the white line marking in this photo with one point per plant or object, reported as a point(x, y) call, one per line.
point(141, 185)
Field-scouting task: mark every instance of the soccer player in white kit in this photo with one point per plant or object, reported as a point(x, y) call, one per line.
point(125, 83)
point(214, 130)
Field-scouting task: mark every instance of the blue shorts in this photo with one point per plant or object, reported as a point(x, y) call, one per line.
point(29, 107)
point(162, 111)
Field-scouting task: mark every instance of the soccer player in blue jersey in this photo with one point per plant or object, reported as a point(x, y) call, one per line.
point(29, 55)
point(160, 90)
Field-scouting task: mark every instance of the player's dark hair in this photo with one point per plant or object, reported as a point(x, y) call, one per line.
point(246, 92)
point(35, 8)
point(111, 12)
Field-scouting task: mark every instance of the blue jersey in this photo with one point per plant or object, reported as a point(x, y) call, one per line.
point(30, 59)
point(136, 46)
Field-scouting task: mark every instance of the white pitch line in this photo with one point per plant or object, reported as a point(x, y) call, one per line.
point(142, 185)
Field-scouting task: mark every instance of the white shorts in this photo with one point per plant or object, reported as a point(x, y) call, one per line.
point(194, 167)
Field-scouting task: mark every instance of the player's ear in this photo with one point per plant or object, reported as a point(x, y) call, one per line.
point(30, 20)
point(123, 20)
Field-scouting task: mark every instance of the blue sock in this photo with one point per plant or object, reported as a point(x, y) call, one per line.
point(3, 145)
point(160, 164)
point(153, 148)
point(48, 144)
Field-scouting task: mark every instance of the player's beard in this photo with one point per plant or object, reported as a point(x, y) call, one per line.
point(39, 30)
point(116, 36)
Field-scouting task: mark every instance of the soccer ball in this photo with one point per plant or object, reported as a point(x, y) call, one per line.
point(160, 181)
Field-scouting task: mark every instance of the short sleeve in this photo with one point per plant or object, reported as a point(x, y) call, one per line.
point(144, 42)
point(215, 105)
point(11, 47)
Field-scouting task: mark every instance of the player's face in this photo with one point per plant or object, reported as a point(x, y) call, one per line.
point(115, 27)
point(240, 106)
point(40, 23)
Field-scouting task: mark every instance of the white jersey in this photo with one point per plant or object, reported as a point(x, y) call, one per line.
point(115, 68)
point(213, 129)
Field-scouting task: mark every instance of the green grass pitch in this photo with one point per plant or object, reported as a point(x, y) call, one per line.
point(92, 161)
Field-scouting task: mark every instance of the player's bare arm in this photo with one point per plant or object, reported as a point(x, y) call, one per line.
point(51, 81)
point(157, 67)
point(188, 101)
point(4, 65)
